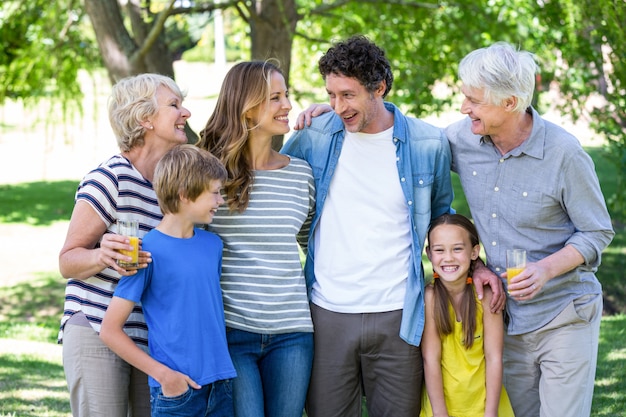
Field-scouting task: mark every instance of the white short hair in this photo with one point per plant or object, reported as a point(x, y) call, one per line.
point(503, 72)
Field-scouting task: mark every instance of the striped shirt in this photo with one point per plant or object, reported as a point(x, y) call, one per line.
point(262, 280)
point(115, 190)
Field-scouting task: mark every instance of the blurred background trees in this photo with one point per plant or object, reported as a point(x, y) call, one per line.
point(580, 45)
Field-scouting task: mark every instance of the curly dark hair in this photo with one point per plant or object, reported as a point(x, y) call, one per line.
point(358, 57)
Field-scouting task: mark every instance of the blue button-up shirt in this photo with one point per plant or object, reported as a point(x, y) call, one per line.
point(423, 162)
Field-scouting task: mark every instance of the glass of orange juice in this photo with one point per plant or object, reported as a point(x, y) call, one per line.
point(515, 262)
point(129, 228)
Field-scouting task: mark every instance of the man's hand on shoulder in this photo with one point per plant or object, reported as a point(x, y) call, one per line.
point(306, 116)
point(483, 276)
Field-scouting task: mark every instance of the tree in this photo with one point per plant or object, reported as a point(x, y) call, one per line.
point(581, 44)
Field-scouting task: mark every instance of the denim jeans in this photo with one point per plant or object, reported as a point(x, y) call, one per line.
point(212, 400)
point(273, 372)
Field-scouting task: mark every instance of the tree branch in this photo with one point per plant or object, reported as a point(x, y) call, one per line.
point(205, 7)
point(325, 8)
point(154, 33)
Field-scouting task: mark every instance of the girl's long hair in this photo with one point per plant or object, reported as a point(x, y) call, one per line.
point(442, 300)
point(245, 87)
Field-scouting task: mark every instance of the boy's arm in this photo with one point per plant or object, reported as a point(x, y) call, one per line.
point(173, 383)
point(493, 345)
point(431, 353)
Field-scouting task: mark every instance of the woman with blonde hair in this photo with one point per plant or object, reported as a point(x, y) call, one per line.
point(148, 119)
point(270, 201)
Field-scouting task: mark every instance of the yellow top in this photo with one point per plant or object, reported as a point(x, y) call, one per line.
point(464, 374)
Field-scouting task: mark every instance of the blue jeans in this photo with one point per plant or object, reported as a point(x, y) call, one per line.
point(212, 400)
point(273, 372)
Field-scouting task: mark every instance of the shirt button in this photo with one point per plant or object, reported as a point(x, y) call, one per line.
point(498, 269)
point(494, 215)
point(501, 160)
point(493, 243)
point(402, 179)
point(496, 189)
point(410, 203)
point(421, 182)
point(525, 194)
point(474, 173)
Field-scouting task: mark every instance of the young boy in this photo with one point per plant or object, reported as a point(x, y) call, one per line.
point(189, 366)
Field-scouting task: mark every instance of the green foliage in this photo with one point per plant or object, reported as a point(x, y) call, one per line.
point(582, 45)
point(42, 48)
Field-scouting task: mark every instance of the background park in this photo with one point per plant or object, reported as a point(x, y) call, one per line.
point(59, 59)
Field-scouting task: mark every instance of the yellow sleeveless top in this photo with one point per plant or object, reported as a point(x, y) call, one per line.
point(464, 374)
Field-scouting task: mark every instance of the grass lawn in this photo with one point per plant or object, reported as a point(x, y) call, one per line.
point(31, 375)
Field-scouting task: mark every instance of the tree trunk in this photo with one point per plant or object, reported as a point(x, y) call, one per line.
point(272, 27)
point(117, 46)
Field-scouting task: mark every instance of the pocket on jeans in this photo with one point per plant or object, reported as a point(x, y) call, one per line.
point(165, 402)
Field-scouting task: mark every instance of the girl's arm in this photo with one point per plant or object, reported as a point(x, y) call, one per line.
point(493, 345)
point(431, 354)
point(173, 383)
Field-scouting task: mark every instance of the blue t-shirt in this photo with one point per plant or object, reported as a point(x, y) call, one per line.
point(182, 302)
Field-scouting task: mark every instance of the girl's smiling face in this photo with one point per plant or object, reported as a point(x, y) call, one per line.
point(451, 252)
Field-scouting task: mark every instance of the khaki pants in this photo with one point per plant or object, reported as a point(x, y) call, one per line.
point(550, 372)
point(99, 381)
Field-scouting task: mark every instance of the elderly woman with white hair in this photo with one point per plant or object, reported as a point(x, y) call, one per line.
point(530, 185)
point(148, 119)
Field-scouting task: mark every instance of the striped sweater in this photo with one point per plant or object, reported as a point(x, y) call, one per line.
point(263, 284)
point(115, 190)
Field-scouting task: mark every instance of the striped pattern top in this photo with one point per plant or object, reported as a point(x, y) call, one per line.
point(262, 280)
point(115, 190)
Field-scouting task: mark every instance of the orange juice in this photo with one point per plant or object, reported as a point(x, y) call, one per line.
point(134, 253)
point(511, 272)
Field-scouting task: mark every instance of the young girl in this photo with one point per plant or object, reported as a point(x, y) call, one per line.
point(462, 342)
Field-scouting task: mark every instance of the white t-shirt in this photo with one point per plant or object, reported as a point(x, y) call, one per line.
point(363, 239)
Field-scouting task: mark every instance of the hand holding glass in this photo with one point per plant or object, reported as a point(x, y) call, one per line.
point(515, 262)
point(129, 228)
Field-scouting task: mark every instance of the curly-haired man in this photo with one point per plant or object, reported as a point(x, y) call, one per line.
point(380, 178)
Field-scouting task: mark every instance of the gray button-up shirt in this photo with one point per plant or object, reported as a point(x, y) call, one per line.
point(540, 196)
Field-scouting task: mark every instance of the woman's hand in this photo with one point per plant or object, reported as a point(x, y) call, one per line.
point(88, 248)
